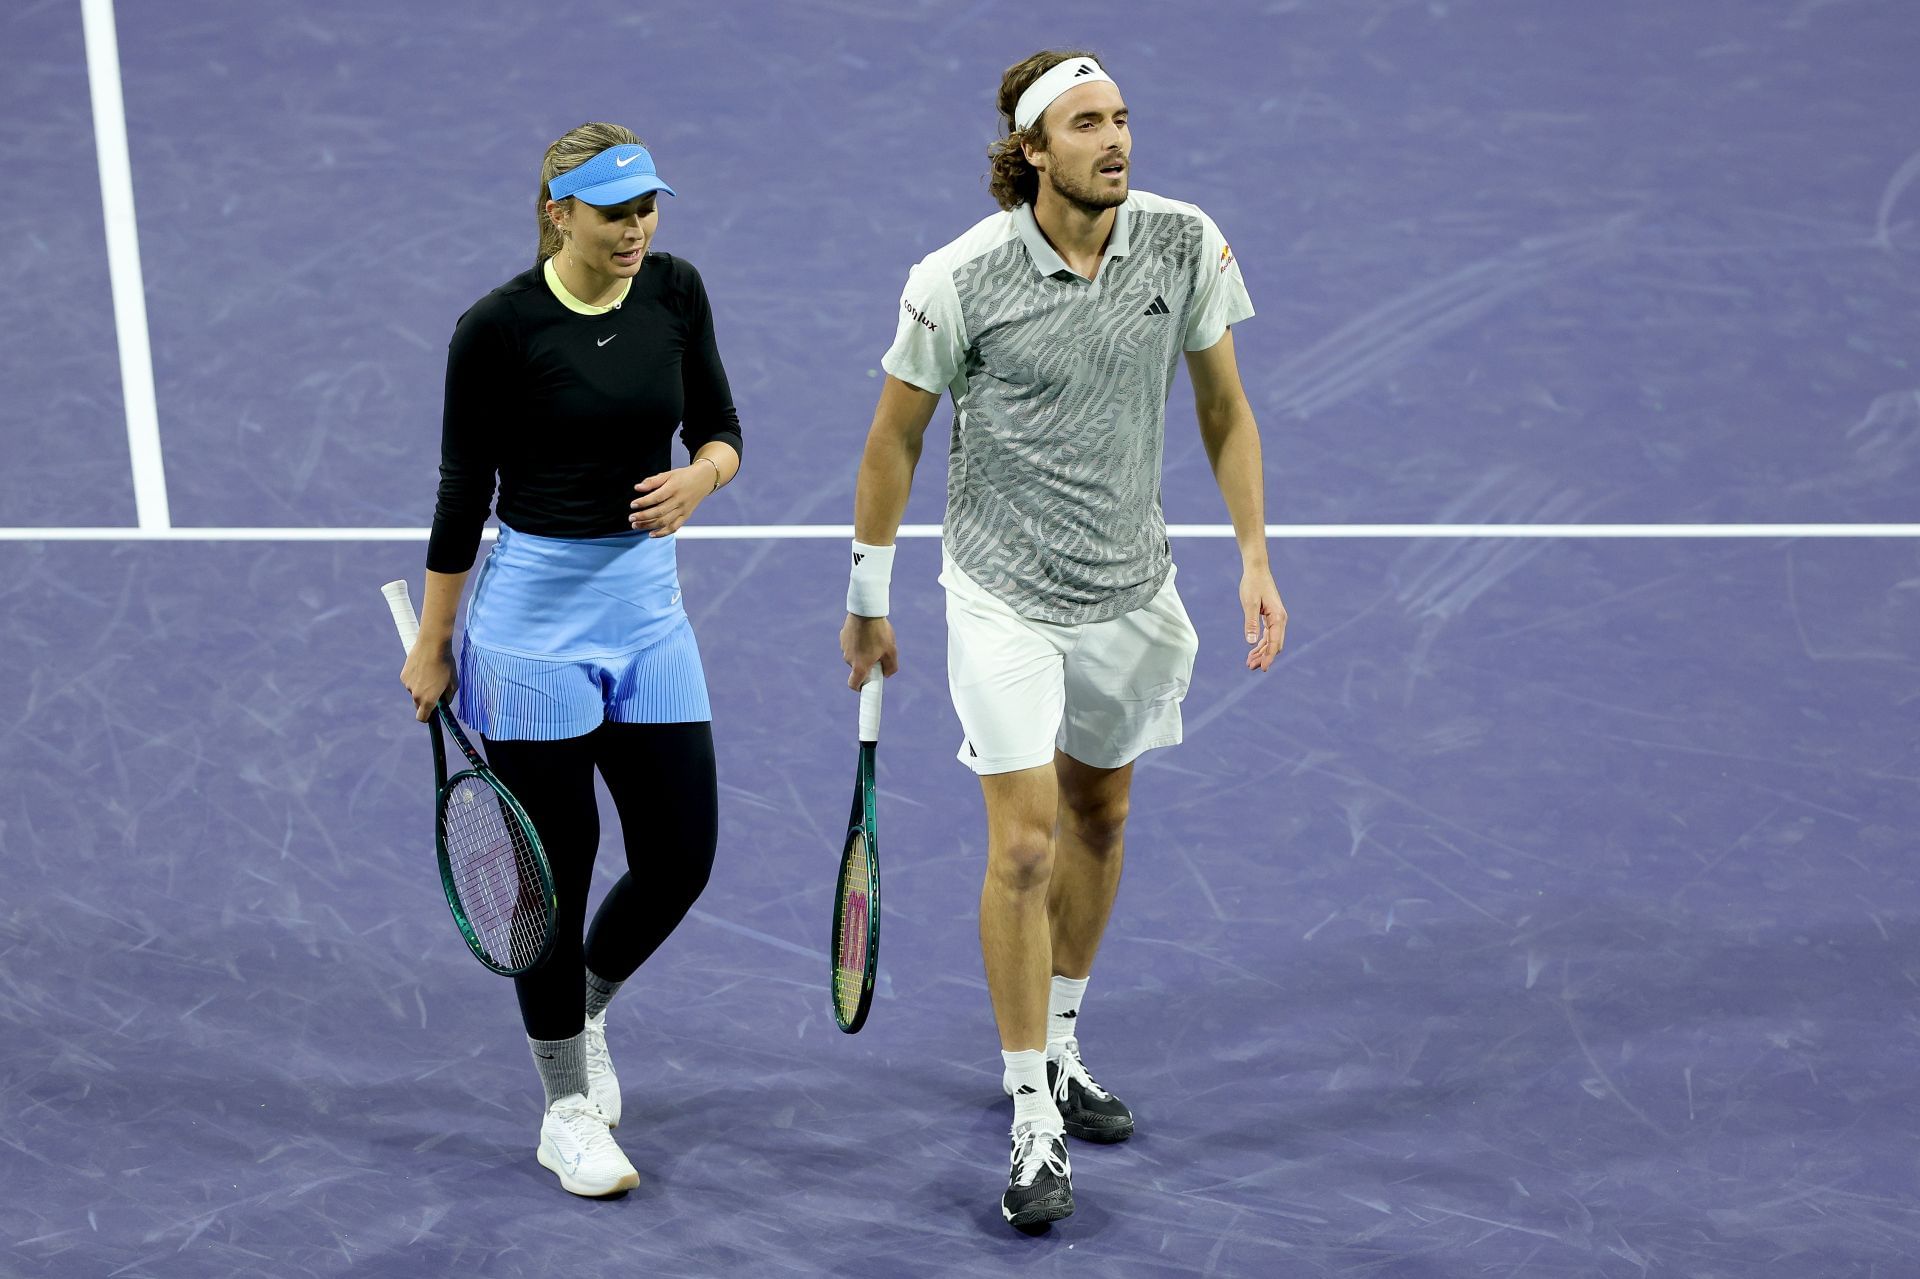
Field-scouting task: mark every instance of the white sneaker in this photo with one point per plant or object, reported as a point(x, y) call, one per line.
point(603, 1086)
point(575, 1144)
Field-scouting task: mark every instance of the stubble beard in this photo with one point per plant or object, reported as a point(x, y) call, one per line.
point(1084, 196)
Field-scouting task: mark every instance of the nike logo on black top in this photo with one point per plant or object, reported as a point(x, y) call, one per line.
point(1159, 307)
point(622, 404)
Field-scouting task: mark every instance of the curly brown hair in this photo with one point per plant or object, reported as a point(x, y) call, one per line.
point(1011, 179)
point(569, 151)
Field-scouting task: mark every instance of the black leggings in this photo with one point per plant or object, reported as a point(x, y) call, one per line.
point(661, 777)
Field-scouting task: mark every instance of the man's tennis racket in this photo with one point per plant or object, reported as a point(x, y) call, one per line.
point(856, 898)
point(492, 866)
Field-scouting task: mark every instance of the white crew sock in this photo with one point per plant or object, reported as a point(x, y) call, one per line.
point(1025, 1077)
point(1063, 1013)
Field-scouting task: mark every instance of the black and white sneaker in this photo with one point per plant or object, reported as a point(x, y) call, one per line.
point(1040, 1183)
point(1089, 1111)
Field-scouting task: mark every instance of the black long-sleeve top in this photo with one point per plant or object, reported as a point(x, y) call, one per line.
point(570, 410)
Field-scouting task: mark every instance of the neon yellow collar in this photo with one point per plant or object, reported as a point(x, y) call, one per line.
point(573, 303)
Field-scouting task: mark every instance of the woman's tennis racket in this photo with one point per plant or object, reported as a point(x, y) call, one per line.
point(856, 898)
point(494, 871)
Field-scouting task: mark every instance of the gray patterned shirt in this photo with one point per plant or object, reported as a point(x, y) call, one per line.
point(1060, 389)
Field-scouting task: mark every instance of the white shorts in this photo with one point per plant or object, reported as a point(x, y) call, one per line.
point(1102, 692)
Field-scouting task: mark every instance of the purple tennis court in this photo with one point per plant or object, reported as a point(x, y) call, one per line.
point(1549, 910)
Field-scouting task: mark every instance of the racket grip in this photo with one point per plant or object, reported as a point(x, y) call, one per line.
point(405, 620)
point(870, 704)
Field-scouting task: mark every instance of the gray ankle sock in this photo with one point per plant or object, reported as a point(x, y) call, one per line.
point(562, 1064)
point(600, 993)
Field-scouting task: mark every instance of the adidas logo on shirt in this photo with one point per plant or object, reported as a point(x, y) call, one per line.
point(1159, 307)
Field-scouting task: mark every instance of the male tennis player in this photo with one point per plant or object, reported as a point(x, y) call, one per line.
point(1056, 326)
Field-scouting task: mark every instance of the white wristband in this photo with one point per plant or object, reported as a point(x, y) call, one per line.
point(867, 584)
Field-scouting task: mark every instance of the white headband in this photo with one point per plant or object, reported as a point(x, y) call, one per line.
point(1058, 79)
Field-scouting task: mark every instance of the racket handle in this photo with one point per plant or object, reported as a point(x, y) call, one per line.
point(405, 620)
point(870, 704)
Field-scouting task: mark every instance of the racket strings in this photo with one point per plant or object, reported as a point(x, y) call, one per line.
point(496, 875)
point(851, 926)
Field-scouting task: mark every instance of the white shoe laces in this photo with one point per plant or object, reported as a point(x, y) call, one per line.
point(599, 1060)
point(1071, 1068)
point(1034, 1150)
point(587, 1127)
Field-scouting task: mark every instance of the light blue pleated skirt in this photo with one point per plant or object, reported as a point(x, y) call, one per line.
point(564, 634)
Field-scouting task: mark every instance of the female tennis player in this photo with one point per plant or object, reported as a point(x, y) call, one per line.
point(566, 384)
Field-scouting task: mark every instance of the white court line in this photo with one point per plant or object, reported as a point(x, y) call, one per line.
point(799, 532)
point(123, 265)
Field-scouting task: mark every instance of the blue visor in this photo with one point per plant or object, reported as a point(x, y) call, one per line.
point(615, 176)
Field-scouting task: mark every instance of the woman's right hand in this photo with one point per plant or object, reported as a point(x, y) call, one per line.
point(428, 675)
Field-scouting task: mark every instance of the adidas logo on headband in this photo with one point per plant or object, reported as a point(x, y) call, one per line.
point(1057, 80)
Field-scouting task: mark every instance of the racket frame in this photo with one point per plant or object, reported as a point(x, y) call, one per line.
point(862, 827)
point(407, 623)
point(444, 790)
